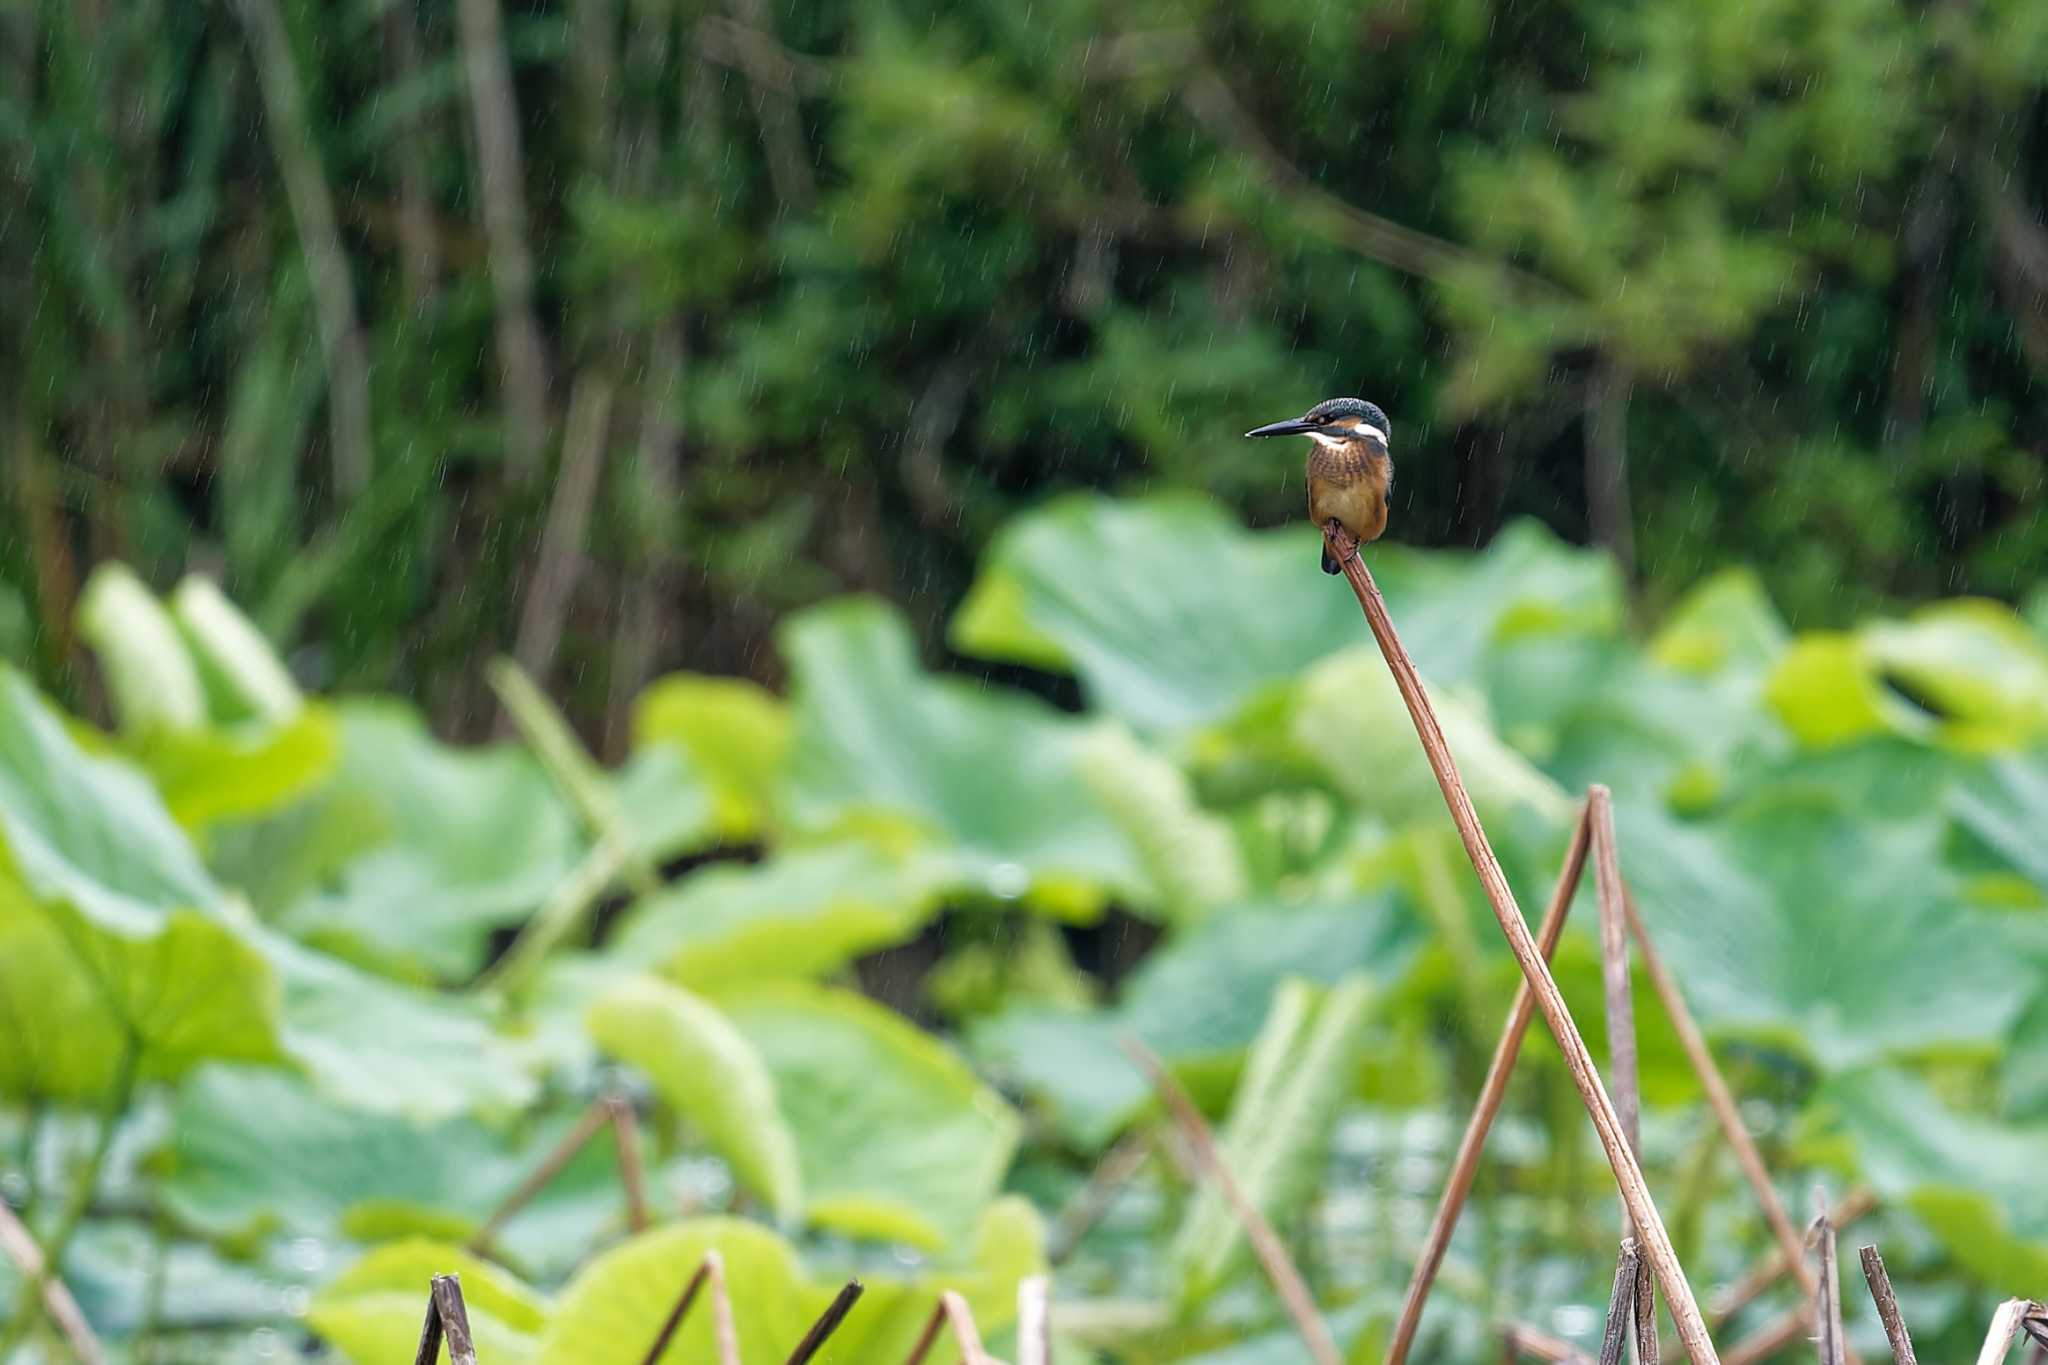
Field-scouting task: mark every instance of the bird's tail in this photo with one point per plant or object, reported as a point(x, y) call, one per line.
point(1330, 565)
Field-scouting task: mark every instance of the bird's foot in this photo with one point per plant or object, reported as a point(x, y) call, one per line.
point(1342, 543)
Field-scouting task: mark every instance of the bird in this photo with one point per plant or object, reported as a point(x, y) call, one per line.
point(1350, 474)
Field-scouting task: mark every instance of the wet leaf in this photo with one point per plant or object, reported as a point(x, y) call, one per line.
point(1276, 1139)
point(1198, 1002)
point(615, 1306)
point(735, 734)
point(1785, 913)
point(371, 1312)
point(803, 912)
point(994, 778)
point(1167, 608)
point(706, 1071)
point(1973, 1181)
point(438, 846)
point(896, 1138)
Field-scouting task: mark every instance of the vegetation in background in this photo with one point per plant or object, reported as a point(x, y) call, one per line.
point(617, 330)
point(295, 994)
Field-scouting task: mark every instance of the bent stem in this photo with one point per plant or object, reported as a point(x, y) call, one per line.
point(1266, 1245)
point(1721, 1099)
point(827, 1323)
point(952, 1311)
point(1628, 1175)
point(710, 1270)
point(1491, 1092)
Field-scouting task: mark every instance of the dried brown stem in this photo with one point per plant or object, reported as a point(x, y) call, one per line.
point(1266, 1245)
point(1647, 1347)
point(710, 1270)
point(21, 1248)
point(558, 1156)
point(1828, 1304)
point(1620, 1304)
point(454, 1318)
point(1887, 1306)
point(952, 1311)
point(1034, 1321)
point(1774, 1267)
point(632, 1170)
point(1092, 1200)
point(1520, 1339)
point(1491, 1092)
point(827, 1323)
point(2005, 1325)
point(1628, 1174)
point(1773, 1337)
point(1722, 1100)
point(1621, 1014)
point(429, 1349)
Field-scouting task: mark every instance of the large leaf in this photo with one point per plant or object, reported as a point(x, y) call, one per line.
point(1966, 673)
point(803, 912)
point(1725, 623)
point(2005, 809)
point(371, 1312)
point(1197, 1001)
point(87, 829)
point(111, 935)
point(1008, 1245)
point(242, 769)
point(1174, 616)
point(87, 833)
point(1672, 723)
point(1351, 718)
point(441, 845)
point(1785, 913)
point(1975, 1182)
point(896, 1138)
point(74, 997)
point(615, 1306)
point(735, 734)
point(1277, 1137)
point(1190, 857)
point(995, 777)
point(381, 1046)
point(1165, 606)
point(706, 1071)
point(255, 1152)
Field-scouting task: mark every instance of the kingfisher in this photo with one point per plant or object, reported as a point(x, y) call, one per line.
point(1349, 472)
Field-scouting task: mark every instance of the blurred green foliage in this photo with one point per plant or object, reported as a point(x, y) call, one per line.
point(860, 953)
point(348, 303)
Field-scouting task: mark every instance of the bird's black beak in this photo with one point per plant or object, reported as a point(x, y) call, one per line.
point(1292, 427)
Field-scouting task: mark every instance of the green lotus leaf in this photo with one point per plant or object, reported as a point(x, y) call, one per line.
point(371, 1312)
point(709, 1073)
point(896, 1138)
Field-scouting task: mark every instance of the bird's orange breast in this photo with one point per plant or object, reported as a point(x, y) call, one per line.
point(1350, 486)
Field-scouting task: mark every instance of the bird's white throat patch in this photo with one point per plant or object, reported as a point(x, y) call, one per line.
point(1338, 442)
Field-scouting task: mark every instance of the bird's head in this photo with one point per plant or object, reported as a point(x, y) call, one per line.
point(1336, 422)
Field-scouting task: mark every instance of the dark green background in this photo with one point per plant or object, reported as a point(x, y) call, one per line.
point(863, 279)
